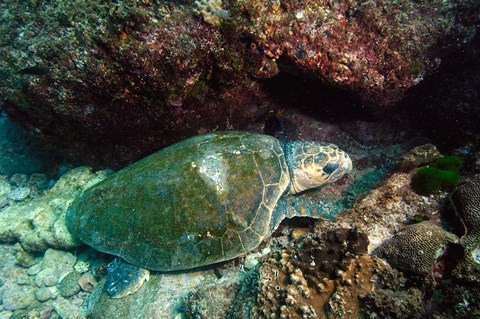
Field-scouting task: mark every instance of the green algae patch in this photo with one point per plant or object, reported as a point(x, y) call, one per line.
point(442, 174)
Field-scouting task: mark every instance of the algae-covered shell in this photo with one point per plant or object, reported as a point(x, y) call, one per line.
point(204, 200)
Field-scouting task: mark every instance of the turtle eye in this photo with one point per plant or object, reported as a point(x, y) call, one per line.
point(330, 167)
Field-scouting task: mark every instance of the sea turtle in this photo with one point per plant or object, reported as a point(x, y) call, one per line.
point(204, 200)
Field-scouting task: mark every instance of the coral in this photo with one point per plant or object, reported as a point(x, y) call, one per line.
point(391, 304)
point(392, 296)
point(466, 202)
point(415, 247)
point(231, 297)
point(459, 301)
point(420, 155)
point(211, 11)
point(442, 174)
point(298, 280)
point(385, 209)
point(166, 294)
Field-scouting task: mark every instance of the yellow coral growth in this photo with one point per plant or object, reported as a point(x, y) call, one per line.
point(211, 11)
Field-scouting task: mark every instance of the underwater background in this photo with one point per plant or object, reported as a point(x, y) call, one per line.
point(88, 88)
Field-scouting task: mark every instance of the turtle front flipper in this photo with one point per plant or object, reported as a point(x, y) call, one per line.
point(292, 206)
point(124, 279)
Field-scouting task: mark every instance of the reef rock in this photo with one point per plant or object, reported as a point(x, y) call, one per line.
point(161, 297)
point(19, 150)
point(314, 276)
point(39, 223)
point(142, 75)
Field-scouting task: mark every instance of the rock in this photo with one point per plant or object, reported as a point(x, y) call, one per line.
point(55, 265)
point(386, 208)
point(20, 152)
point(25, 259)
point(19, 180)
point(38, 311)
point(69, 285)
point(19, 194)
point(420, 155)
point(47, 278)
point(4, 186)
point(6, 314)
point(214, 301)
point(35, 269)
point(87, 282)
point(211, 76)
point(251, 260)
point(161, 293)
point(444, 108)
point(17, 297)
point(5, 189)
point(45, 293)
point(58, 260)
point(66, 309)
point(40, 224)
point(40, 181)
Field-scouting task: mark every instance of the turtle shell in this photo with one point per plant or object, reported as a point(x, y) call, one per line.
point(204, 200)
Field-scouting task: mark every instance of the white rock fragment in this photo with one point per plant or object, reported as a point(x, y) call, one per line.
point(19, 194)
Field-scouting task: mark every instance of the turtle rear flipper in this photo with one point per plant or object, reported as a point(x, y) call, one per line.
point(124, 279)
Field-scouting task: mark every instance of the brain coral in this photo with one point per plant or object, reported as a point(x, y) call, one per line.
point(211, 11)
point(466, 202)
point(415, 247)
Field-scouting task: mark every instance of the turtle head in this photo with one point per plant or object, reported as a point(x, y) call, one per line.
point(313, 164)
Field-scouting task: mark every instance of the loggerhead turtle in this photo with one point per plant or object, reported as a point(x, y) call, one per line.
point(204, 200)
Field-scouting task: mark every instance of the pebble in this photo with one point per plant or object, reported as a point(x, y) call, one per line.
point(69, 284)
point(17, 297)
point(19, 194)
point(6, 314)
point(19, 180)
point(40, 181)
point(25, 259)
point(298, 232)
point(45, 293)
point(3, 201)
point(35, 269)
point(47, 278)
point(62, 261)
point(22, 279)
point(81, 266)
point(251, 260)
point(87, 282)
point(5, 187)
point(66, 310)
